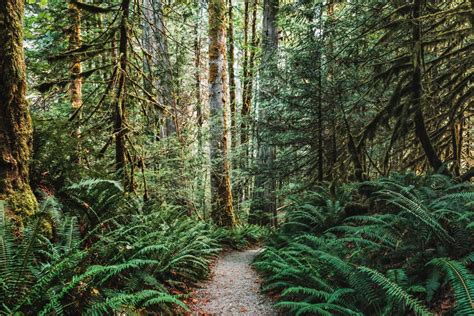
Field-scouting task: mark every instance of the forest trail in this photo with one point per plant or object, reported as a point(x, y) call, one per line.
point(233, 288)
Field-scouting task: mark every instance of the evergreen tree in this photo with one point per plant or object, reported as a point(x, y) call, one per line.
point(222, 208)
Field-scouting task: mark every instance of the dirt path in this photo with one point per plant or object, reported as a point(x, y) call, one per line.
point(233, 288)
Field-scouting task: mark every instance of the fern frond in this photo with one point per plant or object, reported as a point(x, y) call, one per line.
point(394, 291)
point(462, 282)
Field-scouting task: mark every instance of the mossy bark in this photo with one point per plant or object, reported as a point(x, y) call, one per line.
point(232, 85)
point(222, 206)
point(75, 87)
point(248, 73)
point(15, 121)
point(120, 127)
point(248, 69)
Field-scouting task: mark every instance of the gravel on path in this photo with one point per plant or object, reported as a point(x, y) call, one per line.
point(233, 288)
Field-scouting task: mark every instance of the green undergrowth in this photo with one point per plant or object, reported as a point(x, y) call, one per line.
point(242, 236)
point(401, 245)
point(108, 253)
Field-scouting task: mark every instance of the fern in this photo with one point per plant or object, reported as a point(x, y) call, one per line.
point(327, 309)
point(412, 205)
point(394, 291)
point(123, 301)
point(462, 282)
point(130, 261)
point(411, 220)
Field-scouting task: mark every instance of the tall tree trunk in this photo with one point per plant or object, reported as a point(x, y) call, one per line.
point(320, 120)
point(15, 121)
point(264, 198)
point(120, 97)
point(417, 90)
point(232, 97)
point(164, 71)
point(319, 104)
point(248, 65)
point(149, 64)
point(75, 88)
point(197, 79)
point(456, 141)
point(330, 84)
point(353, 151)
point(222, 208)
point(320, 96)
point(158, 65)
point(245, 59)
point(201, 186)
point(249, 69)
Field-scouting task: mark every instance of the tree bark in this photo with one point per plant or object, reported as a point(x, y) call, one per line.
point(247, 82)
point(456, 141)
point(159, 66)
point(245, 62)
point(150, 64)
point(222, 206)
point(75, 88)
point(201, 182)
point(231, 58)
point(164, 72)
point(319, 100)
point(120, 97)
point(320, 120)
point(330, 86)
point(263, 210)
point(15, 121)
point(197, 80)
point(248, 68)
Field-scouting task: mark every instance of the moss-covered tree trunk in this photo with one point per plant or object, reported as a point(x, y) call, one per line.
point(248, 72)
point(250, 25)
point(222, 208)
point(15, 120)
point(232, 85)
point(120, 127)
point(75, 87)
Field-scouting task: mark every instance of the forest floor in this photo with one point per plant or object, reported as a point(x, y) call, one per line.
point(233, 289)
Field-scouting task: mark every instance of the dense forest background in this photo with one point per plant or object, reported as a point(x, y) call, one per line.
point(139, 137)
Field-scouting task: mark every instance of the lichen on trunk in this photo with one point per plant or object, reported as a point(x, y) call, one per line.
point(75, 87)
point(15, 121)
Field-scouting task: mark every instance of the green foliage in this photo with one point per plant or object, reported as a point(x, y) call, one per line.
point(403, 251)
point(241, 236)
point(395, 292)
point(462, 282)
point(131, 257)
